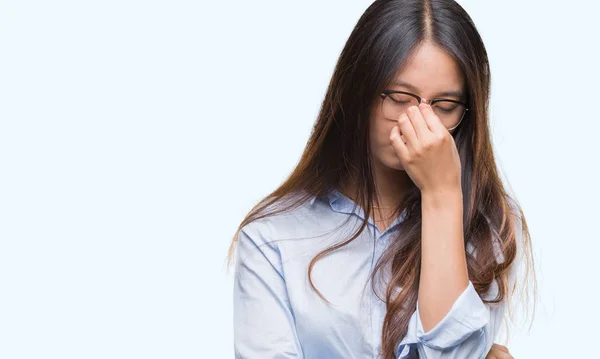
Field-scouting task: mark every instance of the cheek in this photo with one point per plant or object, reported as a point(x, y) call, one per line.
point(381, 146)
point(380, 132)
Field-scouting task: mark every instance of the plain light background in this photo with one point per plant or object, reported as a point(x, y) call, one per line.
point(135, 135)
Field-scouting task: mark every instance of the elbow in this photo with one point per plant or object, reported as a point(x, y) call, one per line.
point(474, 346)
point(467, 317)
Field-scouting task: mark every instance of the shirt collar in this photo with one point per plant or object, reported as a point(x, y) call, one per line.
point(342, 204)
point(334, 198)
point(339, 202)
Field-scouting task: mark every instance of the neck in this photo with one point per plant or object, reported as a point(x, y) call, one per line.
point(389, 185)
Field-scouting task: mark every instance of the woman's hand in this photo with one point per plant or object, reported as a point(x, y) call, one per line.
point(428, 152)
point(499, 352)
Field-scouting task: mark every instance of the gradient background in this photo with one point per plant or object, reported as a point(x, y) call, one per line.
point(135, 135)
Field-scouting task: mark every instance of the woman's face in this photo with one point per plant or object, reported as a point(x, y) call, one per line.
point(429, 73)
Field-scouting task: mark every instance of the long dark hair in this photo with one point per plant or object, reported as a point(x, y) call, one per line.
point(338, 152)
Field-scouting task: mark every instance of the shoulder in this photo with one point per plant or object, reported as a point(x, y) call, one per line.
point(282, 226)
point(281, 221)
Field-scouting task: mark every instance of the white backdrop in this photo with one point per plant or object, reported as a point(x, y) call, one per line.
point(135, 135)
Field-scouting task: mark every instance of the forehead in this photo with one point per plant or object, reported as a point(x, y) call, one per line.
point(430, 71)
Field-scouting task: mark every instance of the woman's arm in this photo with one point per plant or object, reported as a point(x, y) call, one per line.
point(263, 321)
point(451, 320)
point(469, 328)
point(444, 273)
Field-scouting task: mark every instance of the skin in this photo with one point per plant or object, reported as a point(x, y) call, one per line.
point(418, 147)
point(428, 73)
point(499, 352)
point(430, 158)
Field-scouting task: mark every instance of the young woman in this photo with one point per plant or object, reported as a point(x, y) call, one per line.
point(393, 237)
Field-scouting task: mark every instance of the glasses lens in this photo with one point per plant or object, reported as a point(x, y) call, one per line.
point(395, 104)
point(450, 113)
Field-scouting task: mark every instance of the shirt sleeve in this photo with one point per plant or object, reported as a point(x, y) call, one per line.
point(469, 328)
point(264, 325)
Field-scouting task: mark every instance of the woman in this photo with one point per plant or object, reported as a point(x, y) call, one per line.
point(394, 236)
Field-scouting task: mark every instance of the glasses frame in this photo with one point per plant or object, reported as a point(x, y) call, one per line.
point(421, 100)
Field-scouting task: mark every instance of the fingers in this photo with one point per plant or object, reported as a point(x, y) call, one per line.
point(408, 131)
point(418, 122)
point(498, 355)
point(499, 347)
point(499, 352)
point(414, 128)
point(398, 144)
point(434, 124)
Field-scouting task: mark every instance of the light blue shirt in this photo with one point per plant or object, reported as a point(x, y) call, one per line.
point(278, 315)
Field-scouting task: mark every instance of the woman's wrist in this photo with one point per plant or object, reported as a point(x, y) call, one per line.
point(442, 198)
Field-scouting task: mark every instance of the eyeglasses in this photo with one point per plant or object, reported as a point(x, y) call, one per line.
point(450, 112)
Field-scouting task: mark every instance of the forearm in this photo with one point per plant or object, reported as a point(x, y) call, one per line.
point(444, 273)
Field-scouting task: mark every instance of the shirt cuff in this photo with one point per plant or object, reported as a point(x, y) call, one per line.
point(467, 315)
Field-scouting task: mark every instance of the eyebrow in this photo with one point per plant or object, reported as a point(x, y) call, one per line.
point(439, 94)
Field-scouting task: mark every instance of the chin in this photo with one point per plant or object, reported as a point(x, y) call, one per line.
point(398, 167)
point(393, 162)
